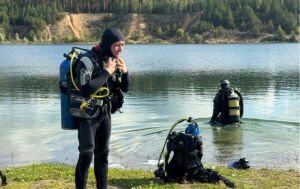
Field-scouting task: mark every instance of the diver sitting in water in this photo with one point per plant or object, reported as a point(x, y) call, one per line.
point(228, 106)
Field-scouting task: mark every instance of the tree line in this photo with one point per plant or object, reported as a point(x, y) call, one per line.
point(245, 15)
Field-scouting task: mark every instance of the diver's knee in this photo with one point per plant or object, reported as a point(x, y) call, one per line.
point(86, 156)
point(104, 153)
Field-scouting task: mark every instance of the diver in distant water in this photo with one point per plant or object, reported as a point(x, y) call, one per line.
point(228, 106)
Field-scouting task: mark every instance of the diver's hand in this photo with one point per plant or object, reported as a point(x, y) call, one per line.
point(121, 65)
point(110, 65)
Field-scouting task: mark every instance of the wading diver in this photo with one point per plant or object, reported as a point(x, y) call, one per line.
point(228, 106)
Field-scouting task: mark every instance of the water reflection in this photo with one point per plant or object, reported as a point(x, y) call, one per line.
point(228, 141)
point(249, 83)
point(158, 84)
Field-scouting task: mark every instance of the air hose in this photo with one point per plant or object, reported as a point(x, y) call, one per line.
point(94, 95)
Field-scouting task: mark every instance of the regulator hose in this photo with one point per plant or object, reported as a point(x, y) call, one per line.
point(171, 129)
point(94, 95)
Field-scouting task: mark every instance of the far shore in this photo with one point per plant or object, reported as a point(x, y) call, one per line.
point(132, 42)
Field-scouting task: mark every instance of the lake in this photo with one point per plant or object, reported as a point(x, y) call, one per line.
point(169, 82)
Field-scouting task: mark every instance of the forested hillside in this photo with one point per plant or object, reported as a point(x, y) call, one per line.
point(27, 19)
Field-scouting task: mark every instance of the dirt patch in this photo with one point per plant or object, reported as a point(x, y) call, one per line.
point(77, 25)
point(140, 28)
point(138, 23)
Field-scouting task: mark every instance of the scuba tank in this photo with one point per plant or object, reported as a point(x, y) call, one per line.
point(234, 107)
point(73, 104)
point(193, 129)
point(64, 71)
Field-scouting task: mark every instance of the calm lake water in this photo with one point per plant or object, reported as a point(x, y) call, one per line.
point(169, 82)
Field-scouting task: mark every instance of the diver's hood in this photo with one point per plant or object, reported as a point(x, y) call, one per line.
point(110, 36)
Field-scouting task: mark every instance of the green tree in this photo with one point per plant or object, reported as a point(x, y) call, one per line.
point(180, 32)
point(2, 34)
point(134, 6)
point(202, 27)
point(270, 26)
point(293, 37)
point(198, 38)
point(187, 39)
point(168, 30)
point(159, 32)
point(17, 37)
point(298, 30)
point(248, 17)
point(281, 33)
point(229, 20)
point(3, 18)
point(243, 26)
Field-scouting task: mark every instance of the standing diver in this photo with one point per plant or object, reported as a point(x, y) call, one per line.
point(228, 106)
point(94, 70)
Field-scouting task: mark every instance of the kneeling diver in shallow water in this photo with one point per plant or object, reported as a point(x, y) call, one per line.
point(228, 106)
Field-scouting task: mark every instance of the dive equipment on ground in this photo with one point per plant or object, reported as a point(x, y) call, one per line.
point(3, 178)
point(177, 158)
point(242, 163)
point(172, 127)
point(182, 160)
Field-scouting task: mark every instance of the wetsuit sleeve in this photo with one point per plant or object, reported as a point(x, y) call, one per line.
point(216, 110)
point(125, 82)
point(87, 84)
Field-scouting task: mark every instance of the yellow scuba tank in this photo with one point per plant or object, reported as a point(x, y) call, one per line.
point(234, 107)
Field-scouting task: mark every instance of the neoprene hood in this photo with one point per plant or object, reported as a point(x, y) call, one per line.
point(109, 36)
point(224, 84)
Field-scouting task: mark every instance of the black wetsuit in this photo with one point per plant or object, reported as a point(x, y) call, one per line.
point(94, 135)
point(221, 111)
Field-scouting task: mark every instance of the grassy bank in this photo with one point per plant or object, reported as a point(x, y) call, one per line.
point(62, 176)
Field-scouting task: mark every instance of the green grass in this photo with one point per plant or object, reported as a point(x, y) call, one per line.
point(62, 176)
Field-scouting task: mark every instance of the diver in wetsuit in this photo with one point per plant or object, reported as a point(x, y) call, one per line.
point(228, 106)
point(103, 67)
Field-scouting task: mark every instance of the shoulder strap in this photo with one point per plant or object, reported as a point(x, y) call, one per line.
point(91, 61)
